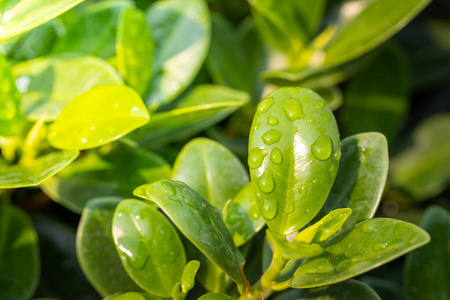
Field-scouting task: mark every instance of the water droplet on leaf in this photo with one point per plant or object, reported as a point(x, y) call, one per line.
point(256, 157)
point(269, 208)
point(272, 121)
point(319, 104)
point(276, 156)
point(322, 147)
point(271, 137)
point(265, 182)
point(293, 109)
point(265, 105)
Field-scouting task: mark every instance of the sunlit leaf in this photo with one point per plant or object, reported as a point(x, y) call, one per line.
point(188, 277)
point(215, 296)
point(295, 249)
point(132, 296)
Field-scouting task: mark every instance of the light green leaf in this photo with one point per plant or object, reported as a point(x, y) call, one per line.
point(105, 173)
point(181, 30)
point(134, 47)
point(427, 270)
point(295, 249)
point(293, 157)
point(19, 254)
point(198, 220)
point(98, 117)
point(48, 84)
point(215, 296)
point(16, 176)
point(148, 246)
point(203, 107)
point(361, 177)
point(210, 169)
point(359, 249)
point(132, 296)
point(17, 17)
point(188, 277)
point(96, 250)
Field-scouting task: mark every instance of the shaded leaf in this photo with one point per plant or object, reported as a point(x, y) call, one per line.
point(332, 96)
point(215, 296)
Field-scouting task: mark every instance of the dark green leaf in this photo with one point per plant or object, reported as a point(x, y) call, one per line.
point(215, 296)
point(132, 296)
point(332, 96)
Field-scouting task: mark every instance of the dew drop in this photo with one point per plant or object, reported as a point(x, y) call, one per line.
point(303, 190)
point(256, 126)
point(271, 137)
point(272, 121)
point(269, 208)
point(310, 92)
point(322, 147)
point(265, 105)
point(256, 157)
point(327, 118)
point(276, 156)
point(136, 260)
point(289, 89)
point(265, 182)
point(293, 110)
point(337, 154)
point(311, 120)
point(319, 104)
point(253, 212)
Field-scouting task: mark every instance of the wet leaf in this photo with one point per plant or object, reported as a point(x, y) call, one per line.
point(295, 249)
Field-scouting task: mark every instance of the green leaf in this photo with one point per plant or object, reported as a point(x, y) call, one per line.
point(361, 177)
point(205, 106)
point(358, 249)
point(134, 47)
point(377, 99)
point(19, 254)
point(188, 277)
point(293, 157)
point(181, 30)
point(210, 169)
point(48, 84)
point(362, 26)
point(243, 217)
point(35, 173)
point(295, 249)
point(423, 168)
point(198, 220)
point(325, 228)
point(132, 296)
point(215, 296)
point(427, 270)
point(105, 173)
point(148, 246)
point(96, 250)
point(21, 16)
point(348, 290)
point(98, 117)
point(332, 96)
point(94, 32)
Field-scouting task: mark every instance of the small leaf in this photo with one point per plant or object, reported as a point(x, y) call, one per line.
point(188, 277)
point(210, 169)
point(132, 296)
point(215, 296)
point(148, 246)
point(361, 177)
point(35, 173)
point(19, 254)
point(295, 249)
point(98, 117)
point(359, 249)
point(134, 47)
point(21, 16)
point(293, 157)
point(198, 220)
point(48, 84)
point(96, 250)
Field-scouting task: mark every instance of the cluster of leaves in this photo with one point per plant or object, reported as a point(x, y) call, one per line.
point(99, 100)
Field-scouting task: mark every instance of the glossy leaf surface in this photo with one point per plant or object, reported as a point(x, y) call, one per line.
point(210, 169)
point(361, 177)
point(215, 296)
point(16, 176)
point(98, 117)
point(132, 296)
point(293, 157)
point(96, 250)
point(148, 246)
point(19, 254)
point(181, 30)
point(358, 249)
point(134, 47)
point(188, 277)
point(198, 220)
point(99, 173)
point(294, 249)
point(21, 16)
point(48, 84)
point(427, 269)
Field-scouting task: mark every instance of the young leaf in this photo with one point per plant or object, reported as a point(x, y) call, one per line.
point(210, 169)
point(98, 117)
point(35, 173)
point(105, 173)
point(48, 84)
point(361, 177)
point(295, 249)
point(19, 254)
point(427, 270)
point(132, 296)
point(215, 296)
point(358, 249)
point(96, 250)
point(188, 277)
point(148, 246)
point(293, 157)
point(181, 30)
point(198, 220)
point(21, 16)
point(134, 47)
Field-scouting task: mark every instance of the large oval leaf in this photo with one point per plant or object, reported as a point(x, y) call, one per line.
point(181, 30)
point(35, 173)
point(210, 169)
point(215, 296)
point(293, 157)
point(48, 84)
point(96, 250)
point(198, 220)
point(361, 177)
point(19, 255)
point(132, 296)
point(148, 246)
point(358, 249)
point(98, 117)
